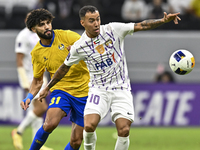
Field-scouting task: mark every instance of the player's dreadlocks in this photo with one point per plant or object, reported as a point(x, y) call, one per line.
point(34, 17)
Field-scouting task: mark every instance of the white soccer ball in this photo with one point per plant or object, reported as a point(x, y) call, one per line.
point(182, 62)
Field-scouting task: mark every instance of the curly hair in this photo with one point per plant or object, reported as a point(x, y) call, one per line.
point(34, 17)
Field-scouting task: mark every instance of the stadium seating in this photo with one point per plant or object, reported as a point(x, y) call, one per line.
point(18, 14)
point(3, 18)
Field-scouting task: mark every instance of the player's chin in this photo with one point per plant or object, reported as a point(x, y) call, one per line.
point(96, 33)
point(48, 34)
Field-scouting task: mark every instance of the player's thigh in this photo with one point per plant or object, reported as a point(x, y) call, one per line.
point(53, 117)
point(59, 99)
point(77, 109)
point(98, 102)
point(122, 105)
point(40, 107)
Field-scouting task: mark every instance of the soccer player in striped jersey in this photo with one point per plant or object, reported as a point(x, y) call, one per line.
point(71, 93)
point(102, 49)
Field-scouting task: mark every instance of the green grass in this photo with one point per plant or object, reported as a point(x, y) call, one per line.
point(141, 138)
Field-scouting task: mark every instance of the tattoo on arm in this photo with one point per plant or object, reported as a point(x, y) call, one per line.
point(149, 24)
point(60, 73)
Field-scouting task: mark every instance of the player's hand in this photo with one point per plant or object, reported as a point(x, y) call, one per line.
point(170, 17)
point(25, 103)
point(43, 94)
point(69, 47)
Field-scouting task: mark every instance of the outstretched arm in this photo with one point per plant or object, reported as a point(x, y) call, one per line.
point(60, 73)
point(151, 24)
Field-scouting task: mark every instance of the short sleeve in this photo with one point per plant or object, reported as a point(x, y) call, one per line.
point(21, 44)
point(38, 68)
point(73, 57)
point(122, 29)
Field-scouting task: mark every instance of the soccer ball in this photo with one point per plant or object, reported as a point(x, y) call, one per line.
point(182, 62)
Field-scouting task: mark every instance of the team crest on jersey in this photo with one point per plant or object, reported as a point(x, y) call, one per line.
point(61, 46)
point(109, 43)
point(100, 49)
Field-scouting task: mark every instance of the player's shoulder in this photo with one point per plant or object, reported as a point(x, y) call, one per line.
point(79, 41)
point(66, 32)
point(36, 48)
point(25, 30)
point(79, 38)
point(67, 36)
point(110, 25)
point(115, 24)
point(118, 26)
point(24, 33)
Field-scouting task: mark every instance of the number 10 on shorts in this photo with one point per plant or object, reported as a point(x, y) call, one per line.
point(94, 99)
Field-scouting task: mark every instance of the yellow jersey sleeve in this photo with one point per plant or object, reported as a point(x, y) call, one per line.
point(38, 68)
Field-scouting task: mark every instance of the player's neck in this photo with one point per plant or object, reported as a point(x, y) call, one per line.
point(45, 41)
point(89, 35)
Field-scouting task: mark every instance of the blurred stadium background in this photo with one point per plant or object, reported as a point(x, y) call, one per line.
point(167, 115)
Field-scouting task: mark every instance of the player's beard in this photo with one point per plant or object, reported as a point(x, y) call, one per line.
point(44, 35)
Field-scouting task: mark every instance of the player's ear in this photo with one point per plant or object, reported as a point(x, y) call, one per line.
point(33, 29)
point(82, 22)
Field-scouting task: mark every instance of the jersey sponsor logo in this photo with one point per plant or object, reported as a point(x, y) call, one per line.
point(109, 43)
point(45, 59)
point(104, 64)
point(100, 49)
point(113, 57)
point(61, 46)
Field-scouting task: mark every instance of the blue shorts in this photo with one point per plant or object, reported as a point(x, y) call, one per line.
point(67, 102)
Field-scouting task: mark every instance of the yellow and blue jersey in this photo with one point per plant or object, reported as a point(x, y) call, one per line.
point(52, 56)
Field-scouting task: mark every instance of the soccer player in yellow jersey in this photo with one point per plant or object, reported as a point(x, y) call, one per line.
point(70, 93)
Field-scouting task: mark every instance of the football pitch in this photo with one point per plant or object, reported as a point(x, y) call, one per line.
point(141, 138)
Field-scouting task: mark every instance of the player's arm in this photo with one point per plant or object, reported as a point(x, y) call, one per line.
point(151, 24)
point(36, 85)
point(24, 82)
point(60, 73)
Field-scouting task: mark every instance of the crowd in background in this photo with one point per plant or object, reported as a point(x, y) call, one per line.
point(12, 12)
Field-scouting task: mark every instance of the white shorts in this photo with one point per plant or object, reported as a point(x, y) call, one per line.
point(119, 102)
